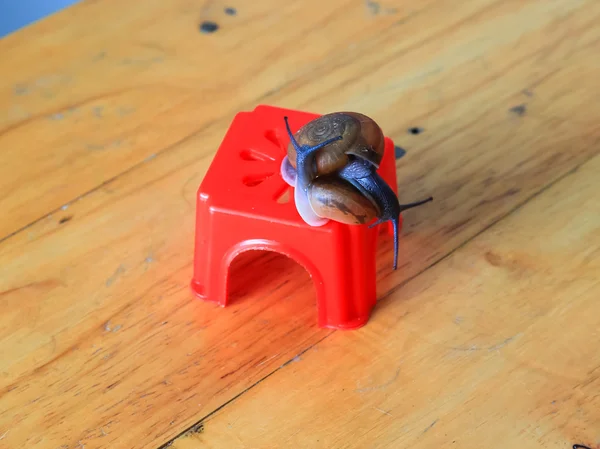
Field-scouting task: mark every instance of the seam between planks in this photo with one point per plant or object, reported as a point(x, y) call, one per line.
point(384, 296)
point(250, 104)
point(226, 403)
point(112, 179)
point(246, 106)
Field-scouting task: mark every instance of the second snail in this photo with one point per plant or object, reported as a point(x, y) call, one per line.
point(332, 164)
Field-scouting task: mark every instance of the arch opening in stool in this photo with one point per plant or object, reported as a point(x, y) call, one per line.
point(272, 252)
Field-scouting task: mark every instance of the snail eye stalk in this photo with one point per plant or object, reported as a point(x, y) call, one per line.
point(305, 150)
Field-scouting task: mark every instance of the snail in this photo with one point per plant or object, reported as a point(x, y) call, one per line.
point(341, 182)
point(348, 136)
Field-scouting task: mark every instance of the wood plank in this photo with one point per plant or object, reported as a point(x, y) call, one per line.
point(496, 346)
point(86, 102)
point(96, 317)
point(110, 97)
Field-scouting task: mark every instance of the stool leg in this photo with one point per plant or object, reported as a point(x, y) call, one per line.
point(346, 292)
point(209, 280)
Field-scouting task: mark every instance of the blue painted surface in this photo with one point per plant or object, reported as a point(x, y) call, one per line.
point(15, 14)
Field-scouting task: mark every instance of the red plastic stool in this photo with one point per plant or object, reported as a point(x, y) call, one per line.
point(237, 210)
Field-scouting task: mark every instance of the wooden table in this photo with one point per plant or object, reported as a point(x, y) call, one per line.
point(486, 337)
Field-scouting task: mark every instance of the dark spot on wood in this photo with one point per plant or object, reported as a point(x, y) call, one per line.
point(197, 428)
point(580, 446)
point(21, 89)
point(65, 219)
point(399, 152)
point(510, 192)
point(373, 6)
point(519, 110)
point(415, 130)
point(457, 226)
point(208, 27)
point(100, 56)
point(430, 426)
point(230, 11)
point(118, 272)
point(493, 258)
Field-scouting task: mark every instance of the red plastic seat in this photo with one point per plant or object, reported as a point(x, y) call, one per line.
point(238, 210)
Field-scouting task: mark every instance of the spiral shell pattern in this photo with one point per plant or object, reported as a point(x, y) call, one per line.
point(362, 138)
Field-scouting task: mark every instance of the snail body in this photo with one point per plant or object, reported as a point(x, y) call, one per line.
point(380, 193)
point(334, 173)
point(347, 135)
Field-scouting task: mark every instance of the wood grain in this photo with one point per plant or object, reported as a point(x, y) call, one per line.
point(496, 346)
point(102, 344)
point(89, 101)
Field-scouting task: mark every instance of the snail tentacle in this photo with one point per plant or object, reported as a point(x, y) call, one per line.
point(375, 187)
point(304, 174)
point(305, 156)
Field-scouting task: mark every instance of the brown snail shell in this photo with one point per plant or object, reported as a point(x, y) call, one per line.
point(361, 137)
point(336, 199)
